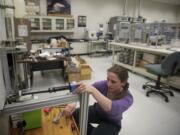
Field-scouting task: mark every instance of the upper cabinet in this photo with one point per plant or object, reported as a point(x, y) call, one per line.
point(60, 24)
point(46, 24)
point(70, 24)
point(36, 12)
point(35, 23)
point(51, 24)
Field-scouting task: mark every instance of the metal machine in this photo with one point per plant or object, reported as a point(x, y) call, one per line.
point(94, 34)
point(138, 34)
point(160, 33)
point(100, 31)
point(137, 30)
point(169, 30)
point(119, 26)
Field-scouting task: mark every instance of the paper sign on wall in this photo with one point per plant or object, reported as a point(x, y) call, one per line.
point(22, 30)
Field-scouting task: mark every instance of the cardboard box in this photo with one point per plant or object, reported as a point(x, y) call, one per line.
point(85, 69)
point(74, 77)
point(151, 58)
point(80, 60)
point(85, 77)
point(142, 63)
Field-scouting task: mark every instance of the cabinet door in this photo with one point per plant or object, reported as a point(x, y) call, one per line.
point(70, 24)
point(59, 24)
point(35, 23)
point(47, 24)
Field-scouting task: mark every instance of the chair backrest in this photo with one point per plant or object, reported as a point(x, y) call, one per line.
point(171, 64)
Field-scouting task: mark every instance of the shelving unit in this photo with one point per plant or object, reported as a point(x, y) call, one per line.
point(97, 46)
point(51, 24)
point(159, 52)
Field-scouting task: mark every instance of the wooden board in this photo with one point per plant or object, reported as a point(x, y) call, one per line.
point(50, 128)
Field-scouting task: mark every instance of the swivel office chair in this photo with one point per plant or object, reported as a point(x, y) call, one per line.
point(169, 67)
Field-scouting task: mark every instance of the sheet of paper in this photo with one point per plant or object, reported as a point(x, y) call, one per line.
point(22, 30)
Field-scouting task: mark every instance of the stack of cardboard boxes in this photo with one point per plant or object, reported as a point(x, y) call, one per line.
point(83, 70)
point(73, 72)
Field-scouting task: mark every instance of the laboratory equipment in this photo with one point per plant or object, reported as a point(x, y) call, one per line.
point(99, 33)
point(137, 30)
point(160, 32)
point(119, 26)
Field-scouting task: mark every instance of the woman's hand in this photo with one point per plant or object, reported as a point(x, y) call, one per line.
point(69, 109)
point(85, 88)
point(102, 100)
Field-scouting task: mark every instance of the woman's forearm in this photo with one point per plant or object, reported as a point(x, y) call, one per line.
point(103, 101)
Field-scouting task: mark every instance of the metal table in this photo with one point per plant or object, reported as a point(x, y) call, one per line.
point(53, 99)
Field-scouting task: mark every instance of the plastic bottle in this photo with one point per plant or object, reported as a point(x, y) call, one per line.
point(73, 86)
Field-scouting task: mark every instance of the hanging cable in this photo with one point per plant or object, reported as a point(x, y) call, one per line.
point(125, 8)
point(139, 9)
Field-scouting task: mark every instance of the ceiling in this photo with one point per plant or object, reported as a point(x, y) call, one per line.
point(174, 2)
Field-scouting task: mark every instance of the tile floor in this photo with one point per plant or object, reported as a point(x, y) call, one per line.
point(147, 116)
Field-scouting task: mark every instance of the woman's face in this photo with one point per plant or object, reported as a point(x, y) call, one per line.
point(114, 84)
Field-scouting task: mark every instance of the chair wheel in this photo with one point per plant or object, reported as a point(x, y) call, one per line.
point(147, 94)
point(42, 73)
point(172, 94)
point(166, 100)
point(144, 86)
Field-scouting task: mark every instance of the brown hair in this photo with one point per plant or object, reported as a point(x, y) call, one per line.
point(122, 74)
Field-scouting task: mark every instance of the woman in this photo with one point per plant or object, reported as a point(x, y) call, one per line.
point(113, 98)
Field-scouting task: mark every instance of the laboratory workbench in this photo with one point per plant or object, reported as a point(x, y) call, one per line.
point(45, 100)
point(135, 49)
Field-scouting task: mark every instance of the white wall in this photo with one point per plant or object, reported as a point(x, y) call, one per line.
point(155, 11)
point(178, 14)
point(99, 11)
point(2, 24)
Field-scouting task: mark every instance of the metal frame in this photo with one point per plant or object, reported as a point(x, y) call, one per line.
point(16, 108)
point(84, 101)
